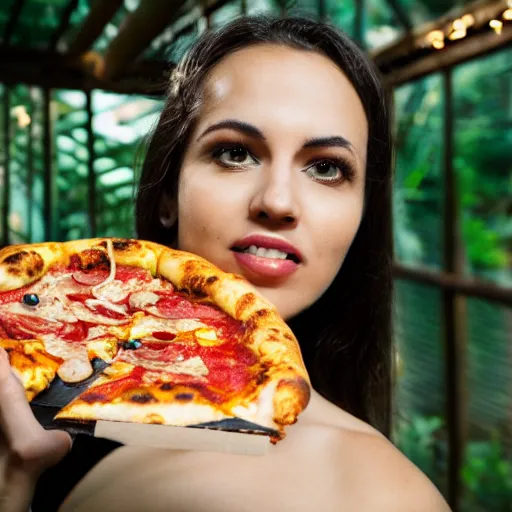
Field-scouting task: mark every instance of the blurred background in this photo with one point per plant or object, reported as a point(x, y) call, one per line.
point(81, 85)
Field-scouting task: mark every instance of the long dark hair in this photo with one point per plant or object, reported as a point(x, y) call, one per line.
point(345, 337)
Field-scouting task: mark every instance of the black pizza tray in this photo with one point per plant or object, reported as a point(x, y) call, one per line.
point(48, 403)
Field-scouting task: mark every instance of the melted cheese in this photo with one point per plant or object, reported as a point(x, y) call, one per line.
point(104, 348)
point(140, 300)
point(207, 337)
point(110, 278)
point(193, 366)
point(84, 314)
point(91, 303)
point(56, 347)
point(147, 325)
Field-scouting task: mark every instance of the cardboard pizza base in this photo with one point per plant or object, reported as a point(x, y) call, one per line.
point(232, 435)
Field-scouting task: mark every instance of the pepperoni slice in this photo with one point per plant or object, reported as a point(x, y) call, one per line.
point(79, 297)
point(176, 307)
point(74, 332)
point(14, 295)
point(164, 336)
point(90, 278)
point(25, 327)
point(124, 274)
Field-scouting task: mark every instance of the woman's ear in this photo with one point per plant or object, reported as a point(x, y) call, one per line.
point(167, 211)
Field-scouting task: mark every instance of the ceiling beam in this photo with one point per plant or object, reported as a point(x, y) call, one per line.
point(413, 45)
point(100, 14)
point(400, 14)
point(13, 20)
point(139, 29)
point(468, 49)
point(63, 25)
point(53, 70)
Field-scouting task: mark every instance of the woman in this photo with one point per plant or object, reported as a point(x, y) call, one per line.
point(274, 135)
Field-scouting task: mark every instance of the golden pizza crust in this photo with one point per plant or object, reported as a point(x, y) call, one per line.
point(266, 333)
point(35, 367)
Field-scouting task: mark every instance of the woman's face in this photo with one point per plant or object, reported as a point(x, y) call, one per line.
point(272, 182)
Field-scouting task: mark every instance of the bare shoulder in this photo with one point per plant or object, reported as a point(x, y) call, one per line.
point(381, 477)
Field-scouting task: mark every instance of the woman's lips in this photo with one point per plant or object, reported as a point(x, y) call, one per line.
point(269, 267)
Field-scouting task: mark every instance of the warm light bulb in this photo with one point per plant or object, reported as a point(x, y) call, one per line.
point(507, 15)
point(458, 25)
point(496, 25)
point(438, 44)
point(468, 20)
point(457, 34)
point(435, 35)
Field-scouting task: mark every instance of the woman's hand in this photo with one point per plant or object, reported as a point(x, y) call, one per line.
point(26, 448)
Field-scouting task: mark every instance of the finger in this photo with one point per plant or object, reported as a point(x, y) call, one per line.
point(58, 444)
point(17, 421)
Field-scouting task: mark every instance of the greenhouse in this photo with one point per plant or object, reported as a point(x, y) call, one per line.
point(82, 84)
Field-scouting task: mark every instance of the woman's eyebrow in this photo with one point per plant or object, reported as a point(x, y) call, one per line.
point(252, 131)
point(233, 124)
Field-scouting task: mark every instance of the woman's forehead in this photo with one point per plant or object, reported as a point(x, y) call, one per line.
point(276, 88)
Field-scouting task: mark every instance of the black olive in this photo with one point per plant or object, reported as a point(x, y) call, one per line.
point(132, 344)
point(31, 299)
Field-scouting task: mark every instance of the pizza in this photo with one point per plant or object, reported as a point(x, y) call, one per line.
point(184, 343)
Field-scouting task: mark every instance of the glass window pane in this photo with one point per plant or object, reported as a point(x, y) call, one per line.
point(70, 161)
point(307, 8)
point(380, 26)
point(37, 23)
point(112, 28)
point(423, 11)
point(20, 124)
point(5, 14)
point(487, 471)
point(263, 6)
point(120, 125)
point(417, 192)
point(482, 161)
point(36, 228)
point(226, 13)
point(342, 14)
point(420, 425)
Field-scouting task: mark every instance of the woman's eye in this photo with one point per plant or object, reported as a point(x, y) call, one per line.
point(233, 156)
point(326, 171)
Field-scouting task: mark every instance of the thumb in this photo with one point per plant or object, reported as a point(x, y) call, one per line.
point(58, 444)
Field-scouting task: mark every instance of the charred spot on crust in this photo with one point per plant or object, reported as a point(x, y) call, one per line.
point(166, 386)
point(93, 397)
point(124, 245)
point(142, 398)
point(15, 258)
point(246, 301)
point(184, 397)
point(93, 259)
point(300, 384)
point(262, 377)
point(211, 280)
point(254, 321)
point(27, 262)
point(196, 284)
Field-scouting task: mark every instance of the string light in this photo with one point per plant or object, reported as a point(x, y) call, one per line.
point(496, 25)
point(507, 15)
point(468, 20)
point(436, 39)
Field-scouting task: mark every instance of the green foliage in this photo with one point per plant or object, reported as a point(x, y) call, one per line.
point(481, 162)
point(487, 477)
point(417, 439)
point(486, 473)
